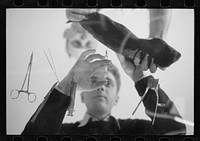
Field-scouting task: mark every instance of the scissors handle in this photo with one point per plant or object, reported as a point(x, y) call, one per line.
point(14, 94)
point(31, 97)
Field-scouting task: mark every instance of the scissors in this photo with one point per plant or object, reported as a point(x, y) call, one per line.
point(14, 94)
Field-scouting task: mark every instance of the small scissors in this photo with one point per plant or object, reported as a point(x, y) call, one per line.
point(14, 94)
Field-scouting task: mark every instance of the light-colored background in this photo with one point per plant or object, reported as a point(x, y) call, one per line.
point(36, 30)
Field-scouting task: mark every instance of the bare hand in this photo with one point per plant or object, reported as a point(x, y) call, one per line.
point(85, 66)
point(135, 69)
point(78, 14)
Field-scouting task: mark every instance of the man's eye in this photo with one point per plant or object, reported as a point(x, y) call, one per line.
point(93, 81)
point(76, 44)
point(107, 84)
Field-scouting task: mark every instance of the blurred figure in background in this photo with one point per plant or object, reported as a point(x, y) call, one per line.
point(78, 40)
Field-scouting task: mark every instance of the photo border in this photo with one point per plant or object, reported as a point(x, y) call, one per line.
point(101, 4)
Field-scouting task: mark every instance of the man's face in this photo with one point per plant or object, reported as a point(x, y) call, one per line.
point(79, 43)
point(104, 98)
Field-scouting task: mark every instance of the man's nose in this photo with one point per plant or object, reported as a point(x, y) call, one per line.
point(101, 88)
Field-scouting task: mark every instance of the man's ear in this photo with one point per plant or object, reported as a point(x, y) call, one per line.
point(82, 97)
point(116, 99)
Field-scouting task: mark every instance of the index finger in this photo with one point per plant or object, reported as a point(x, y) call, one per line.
point(86, 53)
point(94, 56)
point(153, 66)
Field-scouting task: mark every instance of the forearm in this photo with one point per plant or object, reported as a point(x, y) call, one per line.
point(49, 115)
point(159, 22)
point(64, 85)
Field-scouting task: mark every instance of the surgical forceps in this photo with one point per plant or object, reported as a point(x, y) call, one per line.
point(14, 94)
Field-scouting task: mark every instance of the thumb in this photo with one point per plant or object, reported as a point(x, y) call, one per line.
point(128, 67)
point(120, 57)
point(122, 60)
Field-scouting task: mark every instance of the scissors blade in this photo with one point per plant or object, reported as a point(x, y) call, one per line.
point(29, 70)
point(31, 57)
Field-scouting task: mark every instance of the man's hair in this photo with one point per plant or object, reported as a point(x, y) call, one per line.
point(114, 70)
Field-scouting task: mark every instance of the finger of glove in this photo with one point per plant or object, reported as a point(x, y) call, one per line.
point(144, 64)
point(94, 56)
point(86, 53)
point(153, 67)
point(137, 58)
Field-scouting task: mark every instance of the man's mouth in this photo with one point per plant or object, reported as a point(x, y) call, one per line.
point(100, 95)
